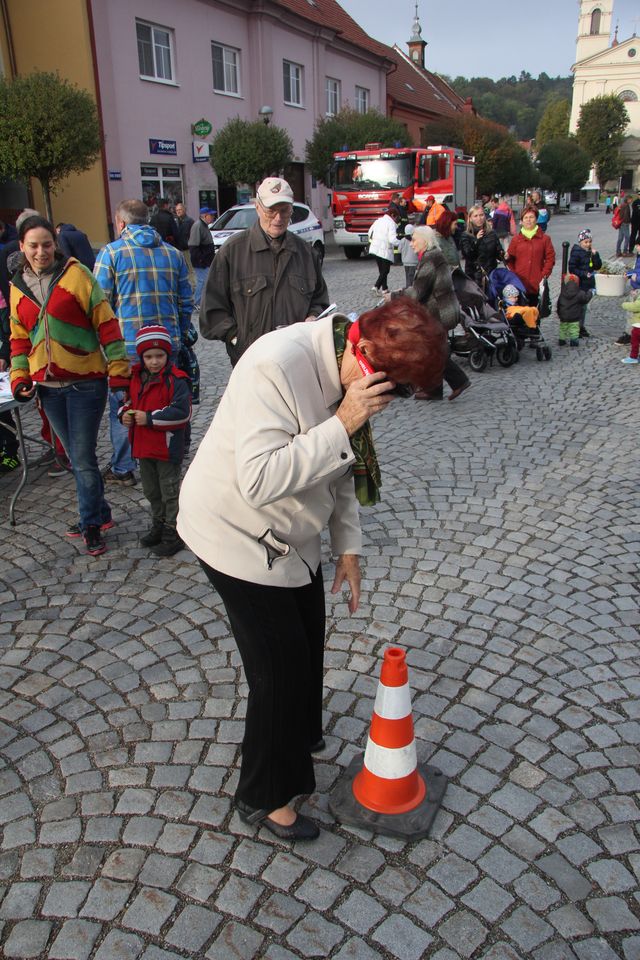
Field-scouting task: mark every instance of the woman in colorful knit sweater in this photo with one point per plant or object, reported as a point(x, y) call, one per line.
point(66, 344)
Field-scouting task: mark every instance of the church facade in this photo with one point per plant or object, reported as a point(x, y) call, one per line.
point(604, 66)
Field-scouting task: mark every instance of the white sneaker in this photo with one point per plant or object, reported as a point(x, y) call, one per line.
point(630, 360)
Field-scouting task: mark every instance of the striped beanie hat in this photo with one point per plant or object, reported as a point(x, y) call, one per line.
point(153, 337)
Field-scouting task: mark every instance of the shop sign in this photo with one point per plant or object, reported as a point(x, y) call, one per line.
point(200, 150)
point(115, 174)
point(202, 128)
point(166, 148)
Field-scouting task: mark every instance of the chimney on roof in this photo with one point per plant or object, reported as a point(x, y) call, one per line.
point(416, 44)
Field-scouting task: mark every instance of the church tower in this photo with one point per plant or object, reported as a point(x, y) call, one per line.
point(416, 44)
point(594, 27)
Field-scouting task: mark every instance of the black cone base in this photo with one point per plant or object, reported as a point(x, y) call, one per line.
point(414, 824)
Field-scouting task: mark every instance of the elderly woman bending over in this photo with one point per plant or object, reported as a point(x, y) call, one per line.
point(288, 452)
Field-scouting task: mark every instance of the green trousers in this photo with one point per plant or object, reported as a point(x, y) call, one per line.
point(569, 331)
point(161, 487)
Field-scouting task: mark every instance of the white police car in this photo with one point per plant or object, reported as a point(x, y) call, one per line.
point(304, 224)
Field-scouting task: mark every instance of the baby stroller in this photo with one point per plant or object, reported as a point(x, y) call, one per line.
point(487, 335)
point(497, 281)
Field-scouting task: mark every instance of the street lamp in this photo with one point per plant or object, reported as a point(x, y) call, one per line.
point(265, 113)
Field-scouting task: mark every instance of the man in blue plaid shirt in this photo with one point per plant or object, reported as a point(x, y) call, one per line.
point(146, 282)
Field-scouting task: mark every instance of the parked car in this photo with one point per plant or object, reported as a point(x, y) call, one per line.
point(304, 223)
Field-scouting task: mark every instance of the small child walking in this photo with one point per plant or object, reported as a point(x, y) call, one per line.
point(570, 306)
point(157, 414)
point(408, 254)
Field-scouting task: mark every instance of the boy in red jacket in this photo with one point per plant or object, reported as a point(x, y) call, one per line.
point(157, 414)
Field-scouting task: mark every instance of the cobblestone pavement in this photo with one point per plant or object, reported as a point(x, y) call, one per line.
point(503, 558)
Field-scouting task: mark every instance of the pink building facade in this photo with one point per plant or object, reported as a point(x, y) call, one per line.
point(162, 67)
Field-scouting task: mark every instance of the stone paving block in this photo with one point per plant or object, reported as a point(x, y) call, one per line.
point(124, 864)
point(20, 901)
point(572, 883)
point(106, 899)
point(536, 892)
point(199, 882)
point(283, 871)
point(488, 899)
point(612, 914)
point(526, 929)
point(570, 922)
point(211, 848)
point(236, 942)
point(193, 928)
point(356, 949)
point(149, 911)
point(595, 949)
point(501, 865)
point(463, 931)
point(119, 946)
point(27, 939)
point(402, 938)
point(395, 885)
point(160, 871)
point(64, 899)
point(360, 912)
point(38, 863)
point(428, 904)
point(142, 830)
point(238, 896)
point(314, 936)
point(75, 940)
point(279, 913)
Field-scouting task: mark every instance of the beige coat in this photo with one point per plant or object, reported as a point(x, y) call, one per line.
point(274, 468)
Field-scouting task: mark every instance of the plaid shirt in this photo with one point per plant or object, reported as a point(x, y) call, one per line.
point(146, 282)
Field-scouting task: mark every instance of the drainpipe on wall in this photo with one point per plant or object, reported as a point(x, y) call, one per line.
point(96, 80)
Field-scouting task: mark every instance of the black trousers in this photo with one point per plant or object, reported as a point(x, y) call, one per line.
point(383, 272)
point(453, 374)
point(280, 635)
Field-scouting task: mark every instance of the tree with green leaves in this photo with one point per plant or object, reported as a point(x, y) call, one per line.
point(601, 128)
point(564, 165)
point(502, 166)
point(49, 129)
point(351, 130)
point(247, 152)
point(554, 123)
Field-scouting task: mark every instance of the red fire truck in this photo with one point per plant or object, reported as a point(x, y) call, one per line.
point(363, 182)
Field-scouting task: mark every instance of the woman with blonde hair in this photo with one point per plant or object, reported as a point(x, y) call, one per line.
point(480, 246)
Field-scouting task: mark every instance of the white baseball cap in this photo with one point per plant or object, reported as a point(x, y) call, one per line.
point(274, 190)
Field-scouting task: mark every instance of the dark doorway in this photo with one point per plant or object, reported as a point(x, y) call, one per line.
point(294, 175)
point(227, 196)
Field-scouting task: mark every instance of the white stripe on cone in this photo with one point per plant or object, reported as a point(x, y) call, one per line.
point(393, 703)
point(390, 763)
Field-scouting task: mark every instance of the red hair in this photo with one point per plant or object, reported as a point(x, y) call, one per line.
point(444, 221)
point(406, 341)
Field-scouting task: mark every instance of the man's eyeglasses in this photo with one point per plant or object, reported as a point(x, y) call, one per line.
point(271, 214)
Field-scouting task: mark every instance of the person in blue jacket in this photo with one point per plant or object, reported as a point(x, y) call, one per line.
point(74, 243)
point(584, 261)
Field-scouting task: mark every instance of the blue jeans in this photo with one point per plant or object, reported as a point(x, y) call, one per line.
point(201, 278)
point(121, 460)
point(75, 413)
point(623, 238)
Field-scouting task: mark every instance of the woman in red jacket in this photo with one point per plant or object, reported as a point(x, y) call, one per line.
point(531, 255)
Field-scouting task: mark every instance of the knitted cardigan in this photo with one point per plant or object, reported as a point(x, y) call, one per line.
point(74, 335)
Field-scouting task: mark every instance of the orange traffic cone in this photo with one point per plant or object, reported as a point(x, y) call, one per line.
point(386, 789)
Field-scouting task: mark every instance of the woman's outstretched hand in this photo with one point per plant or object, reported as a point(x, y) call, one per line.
point(364, 398)
point(348, 568)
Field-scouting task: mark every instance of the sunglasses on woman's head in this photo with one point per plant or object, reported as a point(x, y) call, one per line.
point(353, 336)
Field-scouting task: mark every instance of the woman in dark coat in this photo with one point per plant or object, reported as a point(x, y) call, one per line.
point(480, 247)
point(433, 288)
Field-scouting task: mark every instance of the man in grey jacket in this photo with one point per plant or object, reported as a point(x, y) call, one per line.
point(263, 278)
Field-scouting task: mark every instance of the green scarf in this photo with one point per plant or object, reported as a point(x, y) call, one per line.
point(366, 472)
point(529, 234)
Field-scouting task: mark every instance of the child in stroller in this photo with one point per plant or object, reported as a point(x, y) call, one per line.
point(486, 331)
point(524, 324)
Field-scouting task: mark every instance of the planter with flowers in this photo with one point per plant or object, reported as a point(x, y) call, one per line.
point(611, 279)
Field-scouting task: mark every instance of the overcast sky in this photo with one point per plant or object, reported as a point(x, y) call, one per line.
point(490, 38)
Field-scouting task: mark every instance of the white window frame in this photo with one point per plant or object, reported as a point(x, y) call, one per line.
point(294, 78)
point(362, 98)
point(231, 63)
point(153, 27)
point(332, 95)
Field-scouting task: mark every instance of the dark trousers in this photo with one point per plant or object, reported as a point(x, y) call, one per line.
point(8, 442)
point(161, 486)
point(453, 374)
point(383, 272)
point(280, 635)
